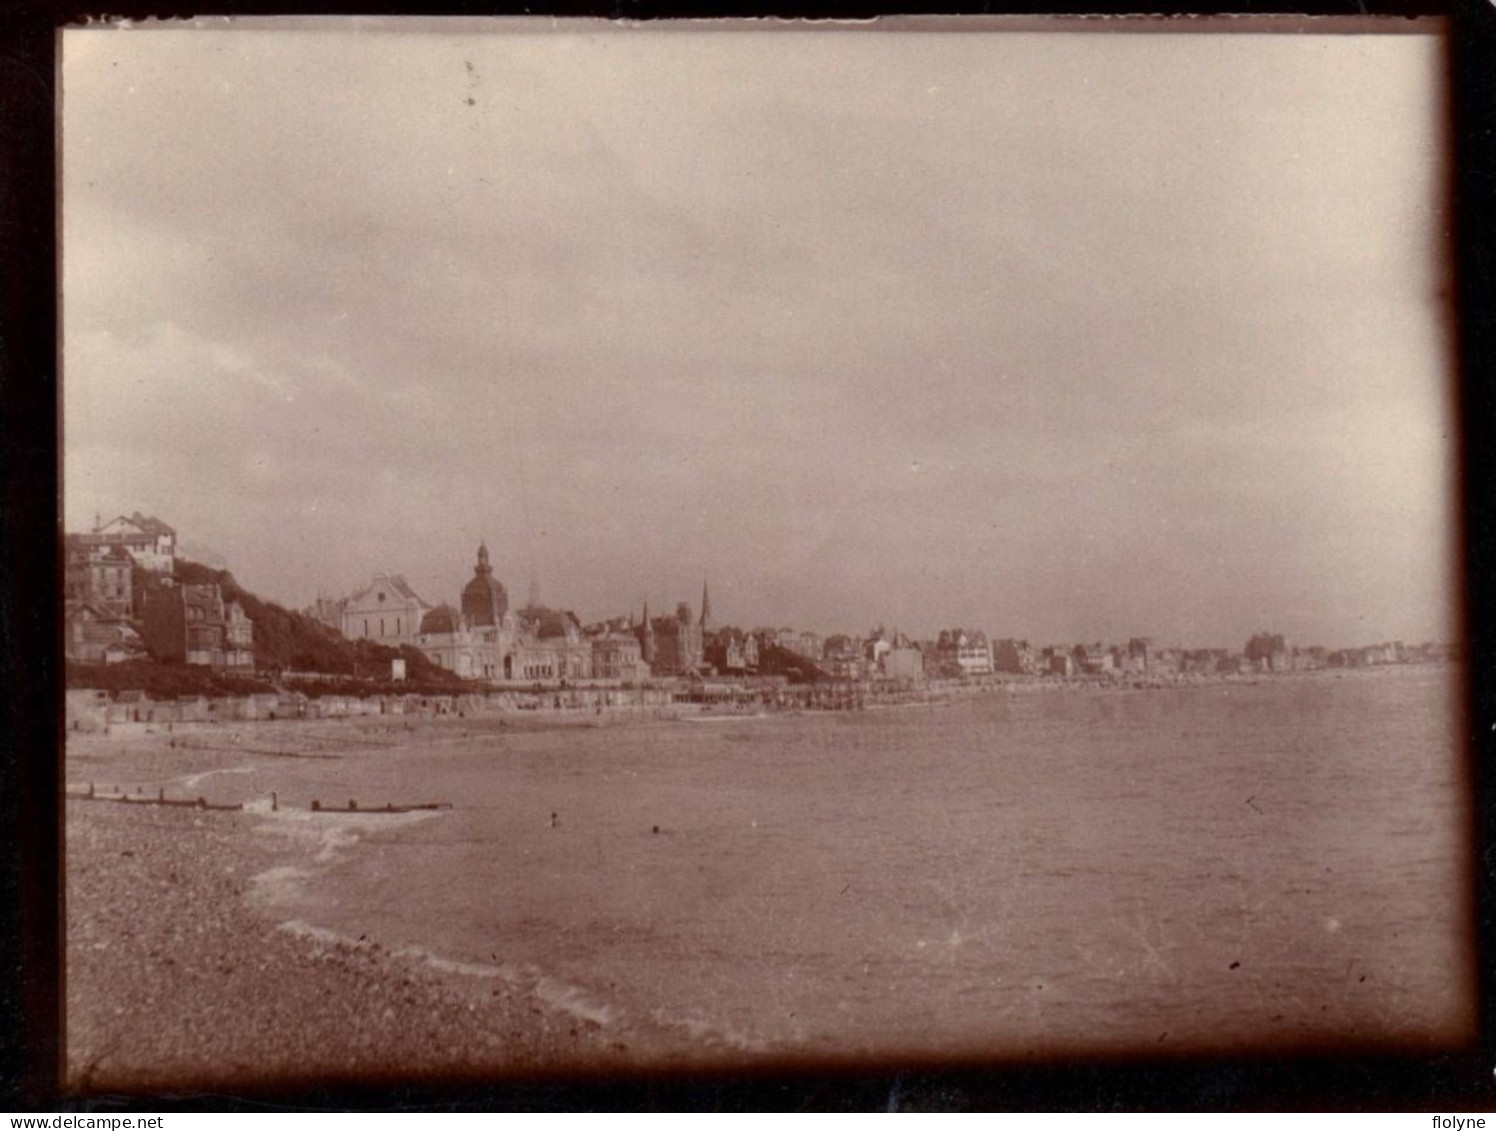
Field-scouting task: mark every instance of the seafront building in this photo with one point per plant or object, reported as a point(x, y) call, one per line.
point(477, 640)
point(193, 624)
point(121, 601)
point(485, 639)
point(386, 611)
point(151, 543)
point(618, 656)
point(1015, 657)
point(100, 573)
point(963, 653)
point(904, 664)
point(456, 646)
point(549, 646)
point(731, 651)
point(676, 642)
point(842, 656)
point(1094, 659)
point(94, 634)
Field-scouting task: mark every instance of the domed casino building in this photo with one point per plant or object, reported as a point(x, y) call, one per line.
point(486, 640)
point(475, 642)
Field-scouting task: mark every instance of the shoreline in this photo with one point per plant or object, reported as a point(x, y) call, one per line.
point(179, 974)
point(1127, 680)
point(834, 697)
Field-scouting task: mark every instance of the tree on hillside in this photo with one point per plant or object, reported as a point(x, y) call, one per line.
point(1264, 645)
point(776, 660)
point(289, 641)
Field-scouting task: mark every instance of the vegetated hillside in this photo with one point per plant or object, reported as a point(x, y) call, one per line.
point(776, 660)
point(289, 641)
point(161, 681)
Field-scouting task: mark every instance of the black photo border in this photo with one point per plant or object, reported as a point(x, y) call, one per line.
point(31, 977)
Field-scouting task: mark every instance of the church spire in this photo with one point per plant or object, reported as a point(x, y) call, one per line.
point(706, 606)
point(647, 638)
point(483, 569)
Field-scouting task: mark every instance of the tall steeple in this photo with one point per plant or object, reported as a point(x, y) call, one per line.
point(706, 608)
point(647, 637)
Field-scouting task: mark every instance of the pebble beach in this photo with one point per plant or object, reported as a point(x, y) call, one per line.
point(176, 979)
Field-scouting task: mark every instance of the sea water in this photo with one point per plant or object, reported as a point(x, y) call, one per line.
point(1270, 865)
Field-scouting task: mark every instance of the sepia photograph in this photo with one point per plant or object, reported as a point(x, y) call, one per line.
point(597, 548)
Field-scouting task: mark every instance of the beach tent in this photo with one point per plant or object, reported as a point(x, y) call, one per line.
point(290, 705)
point(193, 709)
point(131, 706)
point(166, 712)
point(79, 698)
point(239, 707)
point(87, 709)
point(267, 705)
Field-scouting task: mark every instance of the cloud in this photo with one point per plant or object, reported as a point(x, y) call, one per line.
point(938, 323)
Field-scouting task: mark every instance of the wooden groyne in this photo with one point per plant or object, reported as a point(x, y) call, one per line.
point(120, 797)
point(237, 749)
point(389, 807)
point(362, 741)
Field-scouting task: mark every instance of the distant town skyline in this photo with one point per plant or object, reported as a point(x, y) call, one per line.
point(1058, 336)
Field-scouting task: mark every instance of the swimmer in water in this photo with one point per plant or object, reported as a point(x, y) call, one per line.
point(555, 821)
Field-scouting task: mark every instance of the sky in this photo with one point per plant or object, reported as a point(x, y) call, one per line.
point(1064, 336)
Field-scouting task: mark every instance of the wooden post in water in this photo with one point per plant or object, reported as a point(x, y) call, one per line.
point(274, 802)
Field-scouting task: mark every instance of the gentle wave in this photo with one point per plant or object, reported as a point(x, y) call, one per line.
point(560, 995)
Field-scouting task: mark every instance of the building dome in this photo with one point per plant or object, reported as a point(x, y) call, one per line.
point(440, 621)
point(484, 601)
